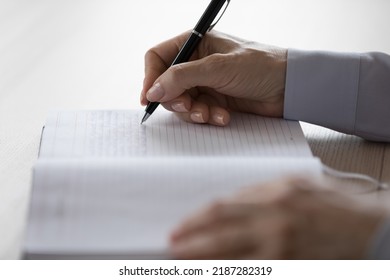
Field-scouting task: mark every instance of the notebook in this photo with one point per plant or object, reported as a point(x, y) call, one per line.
point(105, 186)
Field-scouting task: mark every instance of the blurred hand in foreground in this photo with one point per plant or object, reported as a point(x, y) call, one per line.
point(285, 219)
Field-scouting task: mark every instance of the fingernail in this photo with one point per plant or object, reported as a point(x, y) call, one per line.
point(179, 107)
point(218, 118)
point(197, 117)
point(155, 93)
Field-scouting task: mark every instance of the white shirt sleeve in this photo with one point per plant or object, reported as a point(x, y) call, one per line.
point(347, 92)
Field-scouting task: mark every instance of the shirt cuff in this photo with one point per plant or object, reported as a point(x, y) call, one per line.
point(322, 88)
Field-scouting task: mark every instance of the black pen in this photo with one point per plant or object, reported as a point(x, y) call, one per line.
point(204, 24)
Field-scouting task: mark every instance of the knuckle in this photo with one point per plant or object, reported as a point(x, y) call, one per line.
point(217, 58)
point(215, 61)
point(149, 53)
point(213, 66)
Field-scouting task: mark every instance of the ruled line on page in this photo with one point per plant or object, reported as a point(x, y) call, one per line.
point(84, 134)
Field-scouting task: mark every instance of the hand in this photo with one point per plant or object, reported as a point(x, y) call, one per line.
point(225, 74)
point(287, 219)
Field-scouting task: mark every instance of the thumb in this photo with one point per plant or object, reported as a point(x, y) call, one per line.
point(205, 72)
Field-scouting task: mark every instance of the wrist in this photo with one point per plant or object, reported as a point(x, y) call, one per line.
point(279, 57)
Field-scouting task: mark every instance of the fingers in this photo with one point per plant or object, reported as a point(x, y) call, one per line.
point(181, 104)
point(201, 113)
point(245, 204)
point(218, 212)
point(157, 61)
point(226, 242)
point(201, 109)
point(169, 86)
point(217, 232)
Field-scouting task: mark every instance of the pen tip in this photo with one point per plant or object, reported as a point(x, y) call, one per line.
point(146, 116)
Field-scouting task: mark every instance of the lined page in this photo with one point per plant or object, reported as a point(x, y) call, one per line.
point(110, 207)
point(84, 134)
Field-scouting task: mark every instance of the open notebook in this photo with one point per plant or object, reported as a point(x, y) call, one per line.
point(105, 186)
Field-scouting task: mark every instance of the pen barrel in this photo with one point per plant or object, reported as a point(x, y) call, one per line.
point(188, 49)
point(151, 107)
point(209, 16)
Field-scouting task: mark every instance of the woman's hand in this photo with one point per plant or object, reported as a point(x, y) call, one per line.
point(287, 219)
point(225, 74)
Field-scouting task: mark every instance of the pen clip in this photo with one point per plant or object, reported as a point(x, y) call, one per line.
point(214, 24)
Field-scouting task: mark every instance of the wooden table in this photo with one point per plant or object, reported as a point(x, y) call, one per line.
point(352, 154)
point(88, 54)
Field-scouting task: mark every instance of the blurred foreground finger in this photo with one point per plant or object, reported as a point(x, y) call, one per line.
point(220, 242)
